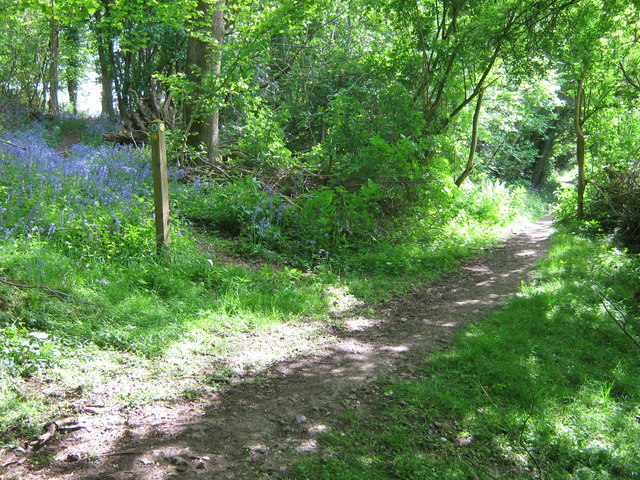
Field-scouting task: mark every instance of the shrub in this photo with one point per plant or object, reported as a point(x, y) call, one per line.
point(615, 203)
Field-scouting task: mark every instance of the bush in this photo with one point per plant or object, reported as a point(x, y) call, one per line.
point(615, 203)
point(240, 207)
point(612, 204)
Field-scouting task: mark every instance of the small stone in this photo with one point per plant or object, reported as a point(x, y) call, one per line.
point(201, 465)
point(301, 419)
point(144, 461)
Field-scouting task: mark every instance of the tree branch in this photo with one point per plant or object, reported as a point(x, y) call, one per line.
point(38, 287)
point(12, 144)
point(621, 325)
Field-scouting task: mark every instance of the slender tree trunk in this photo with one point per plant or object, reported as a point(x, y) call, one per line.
point(106, 76)
point(119, 80)
point(54, 50)
point(72, 36)
point(106, 81)
point(204, 60)
point(474, 140)
point(580, 148)
point(72, 89)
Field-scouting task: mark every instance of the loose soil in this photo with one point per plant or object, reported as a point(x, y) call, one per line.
point(260, 419)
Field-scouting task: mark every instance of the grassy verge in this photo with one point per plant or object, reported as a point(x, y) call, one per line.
point(549, 387)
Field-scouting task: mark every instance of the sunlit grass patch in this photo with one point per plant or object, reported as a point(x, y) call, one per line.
point(546, 387)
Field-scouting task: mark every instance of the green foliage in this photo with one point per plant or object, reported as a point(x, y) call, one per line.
point(334, 218)
point(262, 139)
point(243, 207)
point(21, 37)
point(516, 122)
point(548, 385)
point(611, 204)
point(81, 224)
point(24, 352)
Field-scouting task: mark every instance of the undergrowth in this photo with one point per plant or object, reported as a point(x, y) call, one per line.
point(547, 388)
point(81, 279)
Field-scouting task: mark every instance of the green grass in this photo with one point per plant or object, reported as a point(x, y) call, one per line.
point(549, 387)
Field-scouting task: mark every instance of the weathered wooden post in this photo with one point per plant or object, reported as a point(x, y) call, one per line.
point(160, 183)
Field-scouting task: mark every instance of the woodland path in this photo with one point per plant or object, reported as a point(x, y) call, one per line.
point(258, 423)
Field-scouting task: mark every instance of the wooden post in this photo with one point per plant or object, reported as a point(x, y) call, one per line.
point(160, 183)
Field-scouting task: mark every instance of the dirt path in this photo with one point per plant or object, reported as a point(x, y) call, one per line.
point(257, 424)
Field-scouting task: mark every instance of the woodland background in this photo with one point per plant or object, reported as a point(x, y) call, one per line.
point(321, 152)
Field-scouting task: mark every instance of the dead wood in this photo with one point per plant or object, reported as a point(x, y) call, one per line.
point(50, 428)
point(12, 144)
point(38, 287)
point(619, 317)
point(137, 118)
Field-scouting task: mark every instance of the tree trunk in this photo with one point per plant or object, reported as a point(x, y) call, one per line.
point(544, 147)
point(580, 148)
point(204, 60)
point(106, 76)
point(106, 81)
point(474, 141)
point(72, 36)
point(54, 50)
point(119, 80)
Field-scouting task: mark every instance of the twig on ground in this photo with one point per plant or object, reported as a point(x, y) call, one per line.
point(524, 446)
point(38, 287)
point(115, 454)
point(620, 381)
point(478, 467)
point(487, 395)
point(14, 462)
point(621, 324)
point(13, 144)
point(68, 424)
point(520, 435)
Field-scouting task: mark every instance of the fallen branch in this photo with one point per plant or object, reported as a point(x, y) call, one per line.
point(38, 287)
point(67, 424)
point(627, 384)
point(20, 461)
point(110, 454)
point(621, 324)
point(534, 459)
point(124, 452)
point(13, 145)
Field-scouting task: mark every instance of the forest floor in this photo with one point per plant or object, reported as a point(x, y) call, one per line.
point(259, 420)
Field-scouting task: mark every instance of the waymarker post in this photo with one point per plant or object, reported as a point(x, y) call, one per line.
point(160, 182)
